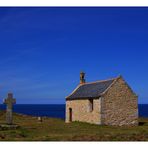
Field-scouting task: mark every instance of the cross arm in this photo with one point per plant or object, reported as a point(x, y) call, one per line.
point(5, 101)
point(14, 101)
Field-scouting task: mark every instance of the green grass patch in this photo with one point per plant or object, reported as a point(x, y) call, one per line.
point(52, 129)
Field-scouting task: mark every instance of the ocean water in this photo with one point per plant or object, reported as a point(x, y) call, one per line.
point(56, 111)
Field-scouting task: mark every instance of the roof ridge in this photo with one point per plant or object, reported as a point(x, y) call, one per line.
point(99, 81)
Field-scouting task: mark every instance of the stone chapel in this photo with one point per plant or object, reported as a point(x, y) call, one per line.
point(105, 102)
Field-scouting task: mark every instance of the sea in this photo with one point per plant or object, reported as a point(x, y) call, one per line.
point(54, 110)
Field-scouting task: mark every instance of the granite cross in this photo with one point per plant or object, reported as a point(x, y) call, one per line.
point(9, 102)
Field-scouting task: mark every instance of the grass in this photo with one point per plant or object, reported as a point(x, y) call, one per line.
point(52, 129)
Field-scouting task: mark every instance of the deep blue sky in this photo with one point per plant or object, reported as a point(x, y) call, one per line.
point(42, 50)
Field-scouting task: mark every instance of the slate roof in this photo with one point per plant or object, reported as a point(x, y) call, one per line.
point(90, 90)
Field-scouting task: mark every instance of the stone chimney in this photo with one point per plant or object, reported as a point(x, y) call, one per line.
point(82, 76)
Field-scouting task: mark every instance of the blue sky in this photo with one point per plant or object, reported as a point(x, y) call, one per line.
point(42, 50)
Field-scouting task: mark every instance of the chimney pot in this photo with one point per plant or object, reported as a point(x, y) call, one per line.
point(82, 77)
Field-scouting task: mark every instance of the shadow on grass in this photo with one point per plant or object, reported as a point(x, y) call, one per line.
point(143, 123)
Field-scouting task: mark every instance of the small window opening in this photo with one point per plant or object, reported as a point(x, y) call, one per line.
point(91, 105)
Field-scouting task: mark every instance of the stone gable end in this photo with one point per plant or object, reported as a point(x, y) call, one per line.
point(119, 105)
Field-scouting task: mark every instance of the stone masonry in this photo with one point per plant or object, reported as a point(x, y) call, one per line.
point(81, 112)
point(119, 105)
point(114, 103)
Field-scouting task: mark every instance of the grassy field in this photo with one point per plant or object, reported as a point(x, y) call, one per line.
point(52, 129)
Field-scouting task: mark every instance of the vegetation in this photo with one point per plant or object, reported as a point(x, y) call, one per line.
point(52, 129)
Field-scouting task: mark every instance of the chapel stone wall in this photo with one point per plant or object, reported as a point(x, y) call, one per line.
point(119, 105)
point(81, 110)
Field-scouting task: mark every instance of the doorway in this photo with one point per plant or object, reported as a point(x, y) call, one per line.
point(70, 114)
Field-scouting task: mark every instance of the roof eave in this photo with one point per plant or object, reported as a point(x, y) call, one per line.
point(82, 98)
